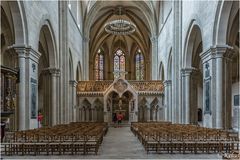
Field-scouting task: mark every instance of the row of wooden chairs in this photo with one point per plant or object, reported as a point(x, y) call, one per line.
point(235, 154)
point(167, 137)
point(73, 138)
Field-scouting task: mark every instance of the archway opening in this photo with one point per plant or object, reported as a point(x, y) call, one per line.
point(233, 41)
point(194, 65)
point(98, 111)
point(9, 71)
point(45, 75)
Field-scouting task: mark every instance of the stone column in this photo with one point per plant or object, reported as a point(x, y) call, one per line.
point(55, 73)
point(28, 86)
point(140, 113)
point(168, 100)
point(176, 60)
point(215, 86)
point(22, 78)
point(93, 115)
point(157, 113)
point(186, 92)
point(72, 106)
point(148, 113)
point(64, 59)
point(86, 58)
point(83, 115)
point(153, 113)
point(87, 114)
point(154, 64)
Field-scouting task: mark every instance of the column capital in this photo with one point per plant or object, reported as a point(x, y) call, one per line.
point(167, 83)
point(154, 39)
point(51, 71)
point(86, 39)
point(26, 51)
point(73, 83)
point(218, 51)
point(54, 71)
point(187, 71)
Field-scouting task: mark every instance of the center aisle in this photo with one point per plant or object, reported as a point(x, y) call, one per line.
point(120, 143)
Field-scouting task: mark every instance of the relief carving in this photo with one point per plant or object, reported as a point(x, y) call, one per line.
point(120, 85)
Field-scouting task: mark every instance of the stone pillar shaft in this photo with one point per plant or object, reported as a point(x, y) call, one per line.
point(54, 75)
point(215, 61)
point(22, 103)
point(148, 114)
point(72, 106)
point(154, 41)
point(186, 72)
point(28, 90)
point(219, 93)
point(168, 98)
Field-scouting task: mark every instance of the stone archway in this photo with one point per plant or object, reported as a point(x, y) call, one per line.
point(234, 111)
point(47, 77)
point(120, 97)
point(191, 75)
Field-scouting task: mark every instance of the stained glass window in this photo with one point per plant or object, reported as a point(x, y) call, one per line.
point(119, 63)
point(99, 65)
point(139, 65)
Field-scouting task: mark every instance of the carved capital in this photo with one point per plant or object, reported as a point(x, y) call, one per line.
point(154, 39)
point(187, 71)
point(73, 83)
point(167, 83)
point(24, 51)
point(54, 71)
point(86, 39)
point(51, 71)
point(218, 51)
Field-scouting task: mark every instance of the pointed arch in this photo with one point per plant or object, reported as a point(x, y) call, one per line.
point(78, 72)
point(161, 72)
point(223, 20)
point(20, 22)
point(119, 62)
point(99, 64)
point(139, 65)
point(70, 64)
point(46, 32)
point(169, 66)
point(192, 41)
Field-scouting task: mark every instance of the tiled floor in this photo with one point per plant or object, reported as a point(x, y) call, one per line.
point(120, 143)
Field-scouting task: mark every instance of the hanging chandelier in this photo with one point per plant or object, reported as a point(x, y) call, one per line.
point(120, 26)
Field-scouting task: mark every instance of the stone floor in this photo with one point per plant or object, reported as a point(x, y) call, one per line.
point(120, 143)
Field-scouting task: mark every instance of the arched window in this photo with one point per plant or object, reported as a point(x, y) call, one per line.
point(99, 65)
point(119, 63)
point(139, 65)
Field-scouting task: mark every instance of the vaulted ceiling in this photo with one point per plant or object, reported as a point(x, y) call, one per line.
point(141, 13)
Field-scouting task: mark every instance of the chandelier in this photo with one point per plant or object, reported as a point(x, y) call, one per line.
point(120, 26)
